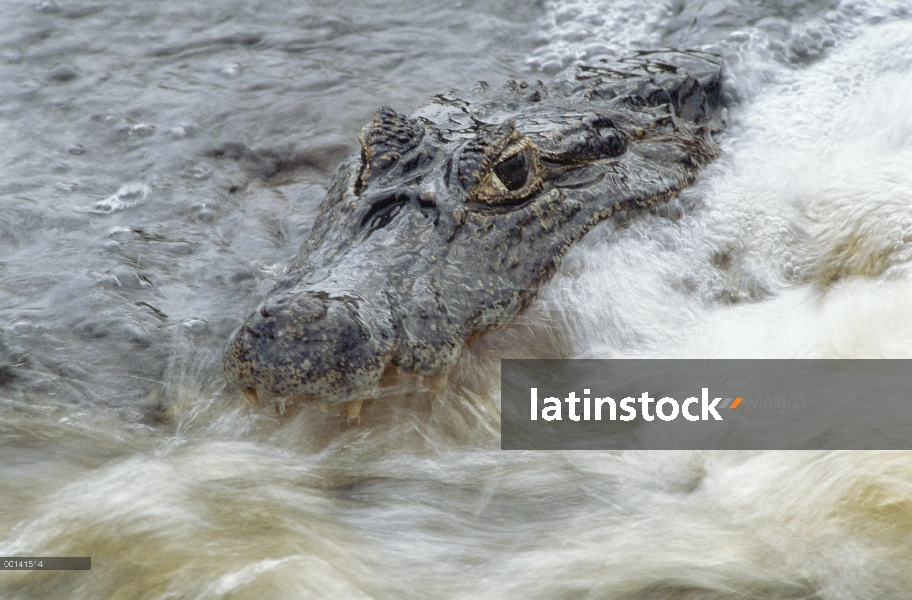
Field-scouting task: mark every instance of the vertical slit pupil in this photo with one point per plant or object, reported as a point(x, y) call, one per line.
point(513, 172)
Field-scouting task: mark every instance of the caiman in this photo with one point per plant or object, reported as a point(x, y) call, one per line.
point(449, 221)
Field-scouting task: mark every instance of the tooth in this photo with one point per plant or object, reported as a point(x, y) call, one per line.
point(353, 409)
point(250, 394)
point(437, 382)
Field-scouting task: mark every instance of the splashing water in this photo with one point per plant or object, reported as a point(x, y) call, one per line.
point(120, 442)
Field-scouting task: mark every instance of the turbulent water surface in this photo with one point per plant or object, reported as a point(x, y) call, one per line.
point(162, 163)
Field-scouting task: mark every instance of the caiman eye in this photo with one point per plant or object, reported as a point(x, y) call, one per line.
point(512, 180)
point(513, 172)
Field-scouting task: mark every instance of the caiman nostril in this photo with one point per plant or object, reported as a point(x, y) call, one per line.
point(309, 307)
point(304, 308)
point(272, 308)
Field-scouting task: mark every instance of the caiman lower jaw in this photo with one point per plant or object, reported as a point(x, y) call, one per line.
point(352, 407)
point(392, 382)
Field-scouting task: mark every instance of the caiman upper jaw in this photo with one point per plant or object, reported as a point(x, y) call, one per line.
point(308, 345)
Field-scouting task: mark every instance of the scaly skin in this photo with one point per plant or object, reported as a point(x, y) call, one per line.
point(450, 221)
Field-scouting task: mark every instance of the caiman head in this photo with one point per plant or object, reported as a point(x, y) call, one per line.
point(450, 220)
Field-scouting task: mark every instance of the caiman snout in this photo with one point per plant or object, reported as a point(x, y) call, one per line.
point(308, 344)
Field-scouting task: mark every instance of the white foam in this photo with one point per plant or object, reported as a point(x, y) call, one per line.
point(127, 196)
point(814, 190)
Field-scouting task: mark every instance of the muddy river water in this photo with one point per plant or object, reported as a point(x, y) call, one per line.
point(162, 162)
